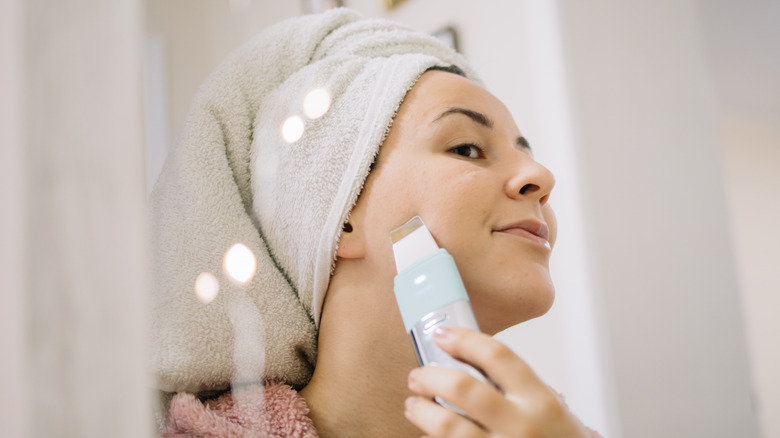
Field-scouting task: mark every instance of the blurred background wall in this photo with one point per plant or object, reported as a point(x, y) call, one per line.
point(742, 43)
point(73, 259)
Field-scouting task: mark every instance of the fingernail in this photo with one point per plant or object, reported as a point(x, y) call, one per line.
point(413, 375)
point(410, 402)
point(443, 333)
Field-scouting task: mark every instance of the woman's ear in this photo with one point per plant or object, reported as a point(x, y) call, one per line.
point(350, 244)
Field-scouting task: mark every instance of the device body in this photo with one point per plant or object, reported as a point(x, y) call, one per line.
point(430, 294)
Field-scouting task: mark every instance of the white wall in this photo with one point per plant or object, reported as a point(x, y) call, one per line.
point(646, 117)
point(13, 400)
point(73, 230)
point(752, 157)
point(742, 42)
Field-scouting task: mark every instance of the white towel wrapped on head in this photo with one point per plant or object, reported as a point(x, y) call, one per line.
point(234, 178)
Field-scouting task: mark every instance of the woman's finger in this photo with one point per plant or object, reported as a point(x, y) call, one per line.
point(436, 421)
point(479, 400)
point(498, 361)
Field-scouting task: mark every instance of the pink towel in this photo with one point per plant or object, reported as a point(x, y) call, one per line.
point(273, 410)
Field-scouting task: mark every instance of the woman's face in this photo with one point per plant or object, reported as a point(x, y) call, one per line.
point(455, 157)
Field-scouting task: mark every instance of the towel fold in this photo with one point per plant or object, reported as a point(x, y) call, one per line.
point(235, 178)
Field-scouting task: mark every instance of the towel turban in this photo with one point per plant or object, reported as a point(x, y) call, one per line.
point(272, 156)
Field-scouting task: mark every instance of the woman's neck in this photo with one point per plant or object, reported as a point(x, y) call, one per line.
point(359, 383)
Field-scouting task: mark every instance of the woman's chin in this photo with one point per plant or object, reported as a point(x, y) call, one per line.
point(496, 315)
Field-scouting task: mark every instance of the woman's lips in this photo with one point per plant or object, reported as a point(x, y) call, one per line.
point(530, 229)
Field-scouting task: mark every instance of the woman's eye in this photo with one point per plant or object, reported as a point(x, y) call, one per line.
point(467, 151)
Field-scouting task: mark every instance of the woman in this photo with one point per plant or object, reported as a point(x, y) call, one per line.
point(450, 153)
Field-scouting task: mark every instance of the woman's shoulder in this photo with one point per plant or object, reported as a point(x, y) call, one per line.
point(271, 409)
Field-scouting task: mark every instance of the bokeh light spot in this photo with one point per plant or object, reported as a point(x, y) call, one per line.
point(240, 263)
point(316, 103)
point(206, 287)
point(292, 129)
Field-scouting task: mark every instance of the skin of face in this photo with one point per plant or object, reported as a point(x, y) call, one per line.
point(455, 157)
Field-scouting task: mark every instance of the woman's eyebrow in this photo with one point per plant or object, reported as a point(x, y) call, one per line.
point(522, 143)
point(473, 115)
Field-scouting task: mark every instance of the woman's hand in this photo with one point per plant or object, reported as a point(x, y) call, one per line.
point(522, 406)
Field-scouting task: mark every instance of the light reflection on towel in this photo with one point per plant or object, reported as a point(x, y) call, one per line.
point(248, 355)
point(206, 287)
point(316, 103)
point(240, 263)
point(292, 129)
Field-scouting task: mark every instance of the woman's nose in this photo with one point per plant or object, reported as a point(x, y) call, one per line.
point(530, 180)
